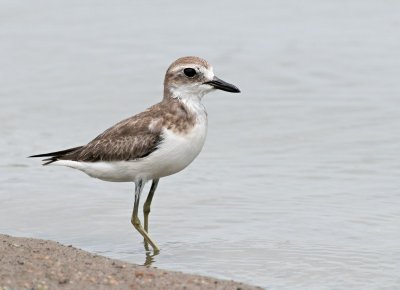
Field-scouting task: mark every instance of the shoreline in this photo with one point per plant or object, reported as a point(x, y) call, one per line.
point(30, 263)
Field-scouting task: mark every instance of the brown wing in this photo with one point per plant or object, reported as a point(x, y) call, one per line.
point(121, 149)
point(129, 139)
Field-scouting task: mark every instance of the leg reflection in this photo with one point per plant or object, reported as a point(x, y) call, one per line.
point(150, 257)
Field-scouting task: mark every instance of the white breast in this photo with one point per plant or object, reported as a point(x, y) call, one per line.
point(178, 150)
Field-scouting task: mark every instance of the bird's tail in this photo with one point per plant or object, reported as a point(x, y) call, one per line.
point(54, 156)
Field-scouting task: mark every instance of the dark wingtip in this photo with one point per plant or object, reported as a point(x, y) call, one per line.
point(42, 155)
point(32, 156)
point(49, 161)
point(57, 153)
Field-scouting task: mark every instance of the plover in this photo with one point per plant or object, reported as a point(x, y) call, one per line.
point(155, 143)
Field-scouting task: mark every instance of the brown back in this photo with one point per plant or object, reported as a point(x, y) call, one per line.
point(137, 136)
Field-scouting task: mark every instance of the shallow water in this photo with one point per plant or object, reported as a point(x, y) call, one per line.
point(298, 184)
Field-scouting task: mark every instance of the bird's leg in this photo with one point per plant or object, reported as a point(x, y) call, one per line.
point(147, 204)
point(135, 219)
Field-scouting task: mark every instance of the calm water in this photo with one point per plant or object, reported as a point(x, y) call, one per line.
point(298, 184)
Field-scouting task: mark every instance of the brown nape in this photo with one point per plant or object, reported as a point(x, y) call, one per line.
point(137, 136)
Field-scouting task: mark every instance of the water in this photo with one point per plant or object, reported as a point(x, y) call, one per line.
point(298, 184)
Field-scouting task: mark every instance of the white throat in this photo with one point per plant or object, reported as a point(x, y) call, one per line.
point(190, 92)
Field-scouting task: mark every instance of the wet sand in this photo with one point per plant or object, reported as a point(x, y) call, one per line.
point(40, 264)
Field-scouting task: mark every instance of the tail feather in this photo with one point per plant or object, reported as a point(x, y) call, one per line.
point(55, 155)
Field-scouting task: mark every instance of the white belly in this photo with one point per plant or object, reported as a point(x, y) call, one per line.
point(174, 153)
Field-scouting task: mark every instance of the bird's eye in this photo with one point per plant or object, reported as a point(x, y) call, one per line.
point(189, 72)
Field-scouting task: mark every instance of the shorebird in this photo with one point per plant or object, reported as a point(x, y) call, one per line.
point(162, 140)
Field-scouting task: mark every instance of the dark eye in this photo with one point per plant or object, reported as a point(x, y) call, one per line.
point(189, 72)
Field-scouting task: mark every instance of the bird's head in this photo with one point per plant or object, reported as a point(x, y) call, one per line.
point(193, 77)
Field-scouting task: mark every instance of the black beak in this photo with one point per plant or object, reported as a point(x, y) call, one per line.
point(222, 85)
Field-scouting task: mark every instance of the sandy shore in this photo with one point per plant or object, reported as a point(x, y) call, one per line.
point(39, 264)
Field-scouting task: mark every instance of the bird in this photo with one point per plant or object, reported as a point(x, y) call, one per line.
point(158, 142)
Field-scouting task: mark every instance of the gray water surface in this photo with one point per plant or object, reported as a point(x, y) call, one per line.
point(298, 184)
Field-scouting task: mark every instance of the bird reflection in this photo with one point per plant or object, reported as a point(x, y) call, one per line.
point(149, 255)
